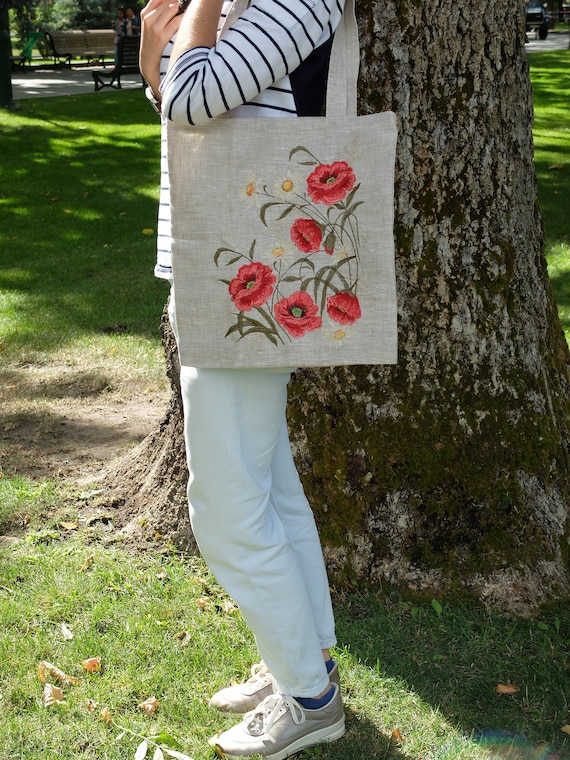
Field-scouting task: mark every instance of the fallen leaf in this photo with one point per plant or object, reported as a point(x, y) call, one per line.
point(98, 518)
point(52, 695)
point(92, 665)
point(55, 672)
point(92, 705)
point(148, 231)
point(165, 740)
point(106, 715)
point(149, 706)
point(218, 751)
point(506, 688)
point(142, 749)
point(69, 525)
point(202, 603)
point(566, 729)
point(179, 755)
point(89, 562)
point(556, 166)
point(397, 736)
point(229, 607)
point(66, 632)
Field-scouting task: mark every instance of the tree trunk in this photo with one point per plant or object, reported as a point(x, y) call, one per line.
point(449, 472)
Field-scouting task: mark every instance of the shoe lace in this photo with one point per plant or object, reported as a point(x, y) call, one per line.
point(260, 720)
point(258, 672)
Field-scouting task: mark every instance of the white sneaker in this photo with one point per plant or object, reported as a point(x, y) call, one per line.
point(243, 697)
point(279, 727)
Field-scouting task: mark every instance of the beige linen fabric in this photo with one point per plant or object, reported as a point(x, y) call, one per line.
point(283, 249)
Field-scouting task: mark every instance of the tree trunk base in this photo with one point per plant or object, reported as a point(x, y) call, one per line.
point(147, 487)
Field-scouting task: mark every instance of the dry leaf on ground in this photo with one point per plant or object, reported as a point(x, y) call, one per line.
point(70, 525)
point(397, 736)
point(506, 688)
point(149, 706)
point(106, 715)
point(67, 632)
point(566, 729)
point(52, 695)
point(92, 665)
point(142, 749)
point(55, 672)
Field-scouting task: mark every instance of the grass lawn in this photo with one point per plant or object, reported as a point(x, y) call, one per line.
point(550, 74)
point(78, 198)
point(423, 680)
point(420, 680)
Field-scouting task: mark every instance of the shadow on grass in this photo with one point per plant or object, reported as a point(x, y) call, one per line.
point(79, 220)
point(561, 283)
point(453, 663)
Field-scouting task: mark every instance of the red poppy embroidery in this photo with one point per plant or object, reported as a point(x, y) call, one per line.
point(326, 283)
point(307, 235)
point(252, 286)
point(330, 183)
point(343, 308)
point(298, 314)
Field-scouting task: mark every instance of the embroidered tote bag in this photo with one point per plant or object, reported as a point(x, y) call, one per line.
point(283, 250)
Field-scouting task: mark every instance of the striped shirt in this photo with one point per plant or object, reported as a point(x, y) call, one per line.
point(272, 62)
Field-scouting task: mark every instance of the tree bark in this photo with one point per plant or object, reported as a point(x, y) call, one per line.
point(448, 473)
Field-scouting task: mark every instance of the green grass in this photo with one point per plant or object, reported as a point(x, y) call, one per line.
point(78, 190)
point(162, 628)
point(78, 198)
point(550, 74)
point(78, 202)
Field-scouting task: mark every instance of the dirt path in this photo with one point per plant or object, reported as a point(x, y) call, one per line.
point(57, 422)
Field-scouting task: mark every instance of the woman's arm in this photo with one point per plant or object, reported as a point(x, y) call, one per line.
point(159, 22)
point(268, 42)
point(198, 28)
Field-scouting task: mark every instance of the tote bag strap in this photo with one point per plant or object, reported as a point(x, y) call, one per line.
point(344, 63)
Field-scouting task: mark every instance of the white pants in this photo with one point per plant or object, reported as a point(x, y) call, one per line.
point(252, 521)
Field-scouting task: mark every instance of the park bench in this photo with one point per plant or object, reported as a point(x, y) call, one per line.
point(94, 45)
point(25, 56)
point(127, 63)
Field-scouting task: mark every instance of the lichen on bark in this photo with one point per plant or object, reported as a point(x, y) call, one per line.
point(450, 471)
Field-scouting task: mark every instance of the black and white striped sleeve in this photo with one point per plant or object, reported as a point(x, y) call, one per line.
point(269, 41)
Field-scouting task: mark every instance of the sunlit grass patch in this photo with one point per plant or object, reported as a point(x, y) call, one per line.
point(550, 74)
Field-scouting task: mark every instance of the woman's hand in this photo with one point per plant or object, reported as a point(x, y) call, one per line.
point(159, 21)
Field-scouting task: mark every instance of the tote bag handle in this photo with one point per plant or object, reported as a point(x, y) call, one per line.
point(344, 63)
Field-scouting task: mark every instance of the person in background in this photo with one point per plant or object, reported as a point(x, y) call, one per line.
point(119, 29)
point(132, 23)
point(249, 514)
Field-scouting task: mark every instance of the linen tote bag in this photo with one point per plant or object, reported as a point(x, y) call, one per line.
point(283, 249)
